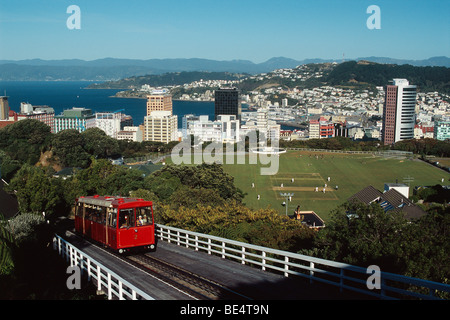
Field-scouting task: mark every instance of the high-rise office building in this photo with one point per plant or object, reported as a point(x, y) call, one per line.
point(399, 113)
point(4, 108)
point(227, 102)
point(161, 126)
point(159, 102)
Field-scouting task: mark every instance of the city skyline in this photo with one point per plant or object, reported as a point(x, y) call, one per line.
point(247, 30)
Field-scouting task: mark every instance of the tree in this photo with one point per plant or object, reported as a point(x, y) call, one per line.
point(208, 176)
point(367, 235)
point(192, 197)
point(363, 235)
point(104, 178)
point(98, 144)
point(67, 147)
point(426, 246)
point(24, 140)
point(263, 227)
point(6, 249)
point(37, 192)
point(163, 184)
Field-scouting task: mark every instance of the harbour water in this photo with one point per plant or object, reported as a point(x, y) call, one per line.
point(61, 95)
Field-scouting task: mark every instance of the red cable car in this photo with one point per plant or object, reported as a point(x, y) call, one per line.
point(119, 223)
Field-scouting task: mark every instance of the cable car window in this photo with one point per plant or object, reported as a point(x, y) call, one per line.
point(95, 215)
point(112, 217)
point(102, 215)
point(79, 209)
point(88, 212)
point(126, 218)
point(144, 216)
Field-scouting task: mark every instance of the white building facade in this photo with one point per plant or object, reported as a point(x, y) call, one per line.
point(112, 123)
point(161, 126)
point(406, 110)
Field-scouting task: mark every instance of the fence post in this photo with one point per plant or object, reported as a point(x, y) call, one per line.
point(311, 272)
point(109, 287)
point(223, 250)
point(121, 291)
point(286, 266)
point(264, 261)
point(99, 279)
point(89, 269)
point(243, 255)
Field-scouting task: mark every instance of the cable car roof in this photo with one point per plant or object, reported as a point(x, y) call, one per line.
point(108, 201)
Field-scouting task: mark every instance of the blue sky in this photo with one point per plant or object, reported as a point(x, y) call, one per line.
point(254, 30)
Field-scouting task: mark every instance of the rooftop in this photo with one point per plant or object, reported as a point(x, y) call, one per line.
point(389, 200)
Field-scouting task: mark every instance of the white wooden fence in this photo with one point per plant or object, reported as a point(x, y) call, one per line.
point(344, 276)
point(106, 280)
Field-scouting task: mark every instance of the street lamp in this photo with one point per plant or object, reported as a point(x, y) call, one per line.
point(287, 196)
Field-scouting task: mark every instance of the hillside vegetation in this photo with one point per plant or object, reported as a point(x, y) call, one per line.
point(368, 73)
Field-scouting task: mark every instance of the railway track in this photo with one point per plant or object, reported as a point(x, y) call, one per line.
point(196, 286)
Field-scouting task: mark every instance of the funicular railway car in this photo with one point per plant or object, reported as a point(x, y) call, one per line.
point(120, 223)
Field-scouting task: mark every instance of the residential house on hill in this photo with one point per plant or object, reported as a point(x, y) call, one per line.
point(390, 200)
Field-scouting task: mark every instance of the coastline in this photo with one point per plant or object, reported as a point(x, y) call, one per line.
point(131, 97)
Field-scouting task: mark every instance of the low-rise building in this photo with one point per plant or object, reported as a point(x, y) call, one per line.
point(131, 133)
point(76, 118)
point(442, 130)
point(112, 122)
point(43, 114)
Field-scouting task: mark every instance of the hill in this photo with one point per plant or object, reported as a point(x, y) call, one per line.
point(356, 74)
point(370, 73)
point(115, 69)
point(166, 79)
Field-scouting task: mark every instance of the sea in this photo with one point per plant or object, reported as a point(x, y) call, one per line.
point(62, 95)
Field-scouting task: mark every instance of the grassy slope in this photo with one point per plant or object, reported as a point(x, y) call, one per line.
point(350, 172)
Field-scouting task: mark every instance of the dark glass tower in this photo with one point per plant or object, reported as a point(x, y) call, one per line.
point(227, 102)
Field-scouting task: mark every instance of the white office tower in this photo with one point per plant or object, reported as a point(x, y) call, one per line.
point(161, 126)
point(399, 114)
point(406, 110)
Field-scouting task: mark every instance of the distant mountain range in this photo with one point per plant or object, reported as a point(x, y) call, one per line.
point(114, 69)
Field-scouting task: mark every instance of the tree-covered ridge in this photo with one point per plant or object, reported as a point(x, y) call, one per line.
point(351, 73)
point(368, 73)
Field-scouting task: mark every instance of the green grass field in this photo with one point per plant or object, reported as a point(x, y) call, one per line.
point(350, 173)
